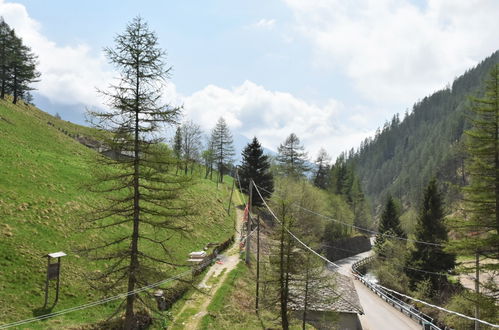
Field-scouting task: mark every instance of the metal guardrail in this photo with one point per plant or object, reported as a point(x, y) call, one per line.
point(409, 310)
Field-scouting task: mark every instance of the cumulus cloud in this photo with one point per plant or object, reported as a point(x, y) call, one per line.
point(251, 110)
point(393, 50)
point(70, 74)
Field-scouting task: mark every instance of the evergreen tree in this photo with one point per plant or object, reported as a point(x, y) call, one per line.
point(177, 147)
point(390, 223)
point(139, 194)
point(177, 143)
point(6, 54)
point(255, 165)
point(430, 228)
point(478, 232)
point(322, 169)
point(292, 157)
point(17, 65)
point(223, 146)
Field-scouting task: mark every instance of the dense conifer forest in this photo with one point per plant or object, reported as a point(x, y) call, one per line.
point(405, 154)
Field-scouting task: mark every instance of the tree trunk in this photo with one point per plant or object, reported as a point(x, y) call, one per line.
point(284, 315)
point(134, 261)
point(15, 87)
point(305, 298)
point(477, 289)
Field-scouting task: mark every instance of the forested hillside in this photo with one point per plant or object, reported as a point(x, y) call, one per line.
point(405, 154)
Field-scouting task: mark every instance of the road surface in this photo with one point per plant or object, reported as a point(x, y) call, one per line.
point(379, 315)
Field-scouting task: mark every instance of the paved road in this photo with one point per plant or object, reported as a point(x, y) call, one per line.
point(378, 314)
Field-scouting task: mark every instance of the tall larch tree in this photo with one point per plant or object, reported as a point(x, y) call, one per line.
point(139, 194)
point(478, 230)
point(292, 158)
point(255, 165)
point(223, 146)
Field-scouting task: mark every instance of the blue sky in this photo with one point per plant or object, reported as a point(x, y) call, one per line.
point(331, 71)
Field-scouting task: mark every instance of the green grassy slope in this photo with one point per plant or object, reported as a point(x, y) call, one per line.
point(42, 170)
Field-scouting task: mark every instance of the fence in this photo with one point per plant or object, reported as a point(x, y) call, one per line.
point(409, 310)
point(198, 269)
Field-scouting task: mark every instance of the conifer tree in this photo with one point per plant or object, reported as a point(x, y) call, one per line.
point(6, 56)
point(140, 196)
point(430, 228)
point(17, 65)
point(478, 231)
point(177, 146)
point(255, 165)
point(23, 70)
point(223, 146)
point(292, 157)
point(322, 169)
point(390, 223)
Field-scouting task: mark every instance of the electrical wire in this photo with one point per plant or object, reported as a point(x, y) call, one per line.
point(361, 228)
point(303, 244)
point(95, 303)
point(378, 285)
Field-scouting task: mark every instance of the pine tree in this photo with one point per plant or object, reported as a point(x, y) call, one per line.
point(292, 157)
point(430, 228)
point(223, 146)
point(322, 169)
point(389, 224)
point(140, 195)
point(255, 165)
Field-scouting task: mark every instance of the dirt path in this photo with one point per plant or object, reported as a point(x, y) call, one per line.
point(215, 275)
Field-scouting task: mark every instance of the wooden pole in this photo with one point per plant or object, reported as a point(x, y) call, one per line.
point(477, 289)
point(47, 284)
point(231, 192)
point(58, 280)
point(248, 227)
point(257, 262)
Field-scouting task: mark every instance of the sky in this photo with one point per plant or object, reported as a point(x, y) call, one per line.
point(330, 71)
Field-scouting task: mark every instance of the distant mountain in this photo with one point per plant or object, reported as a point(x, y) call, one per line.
point(405, 154)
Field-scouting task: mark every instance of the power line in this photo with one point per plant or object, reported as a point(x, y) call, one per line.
point(304, 245)
point(95, 303)
point(361, 228)
point(390, 290)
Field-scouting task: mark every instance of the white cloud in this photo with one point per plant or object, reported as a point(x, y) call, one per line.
point(70, 74)
point(264, 23)
point(251, 110)
point(393, 50)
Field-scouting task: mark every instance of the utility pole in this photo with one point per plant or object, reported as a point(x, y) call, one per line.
point(257, 261)
point(231, 192)
point(477, 288)
point(248, 223)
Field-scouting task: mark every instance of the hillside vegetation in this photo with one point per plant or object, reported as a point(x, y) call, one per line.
point(42, 204)
point(405, 154)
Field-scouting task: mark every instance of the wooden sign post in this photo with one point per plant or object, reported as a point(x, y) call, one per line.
point(53, 272)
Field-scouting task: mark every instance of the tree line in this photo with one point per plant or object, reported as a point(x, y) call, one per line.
point(17, 65)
